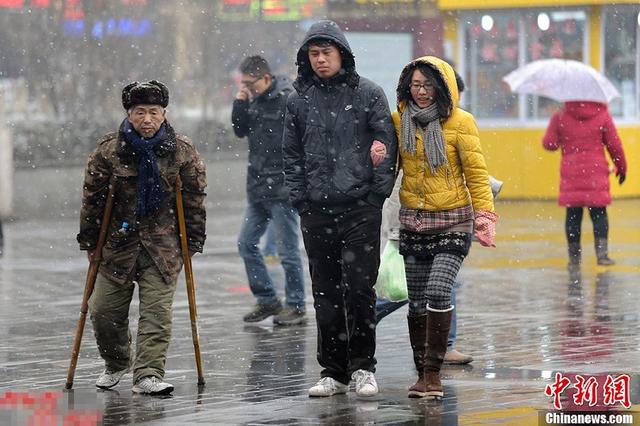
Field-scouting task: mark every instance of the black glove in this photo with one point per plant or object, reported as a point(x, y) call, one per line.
point(621, 177)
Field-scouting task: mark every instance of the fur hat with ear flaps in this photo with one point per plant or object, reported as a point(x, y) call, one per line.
point(148, 93)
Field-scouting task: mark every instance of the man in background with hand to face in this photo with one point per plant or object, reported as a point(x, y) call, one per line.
point(258, 113)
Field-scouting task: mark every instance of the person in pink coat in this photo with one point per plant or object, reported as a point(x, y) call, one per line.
point(582, 130)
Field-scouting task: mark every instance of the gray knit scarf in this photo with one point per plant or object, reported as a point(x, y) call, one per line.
point(427, 122)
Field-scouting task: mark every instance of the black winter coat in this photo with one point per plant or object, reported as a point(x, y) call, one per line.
point(329, 128)
point(262, 121)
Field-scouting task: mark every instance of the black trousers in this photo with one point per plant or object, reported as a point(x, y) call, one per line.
point(573, 223)
point(344, 255)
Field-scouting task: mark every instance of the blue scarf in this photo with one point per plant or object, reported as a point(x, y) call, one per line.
point(150, 193)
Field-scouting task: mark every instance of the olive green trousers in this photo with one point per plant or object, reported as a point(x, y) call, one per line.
point(109, 307)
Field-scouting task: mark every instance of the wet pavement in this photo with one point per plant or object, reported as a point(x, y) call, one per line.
point(520, 315)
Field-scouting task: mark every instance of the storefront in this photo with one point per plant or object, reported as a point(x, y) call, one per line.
point(386, 34)
point(490, 38)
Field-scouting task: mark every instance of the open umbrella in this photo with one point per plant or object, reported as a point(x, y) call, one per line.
point(561, 80)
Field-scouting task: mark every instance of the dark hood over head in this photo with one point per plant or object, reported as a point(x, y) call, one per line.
point(325, 30)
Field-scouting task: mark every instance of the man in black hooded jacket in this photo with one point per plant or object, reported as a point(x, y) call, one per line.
point(340, 152)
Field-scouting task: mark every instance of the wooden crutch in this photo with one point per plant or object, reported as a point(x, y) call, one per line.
point(92, 274)
point(191, 285)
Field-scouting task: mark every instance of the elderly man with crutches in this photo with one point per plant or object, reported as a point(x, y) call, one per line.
point(152, 173)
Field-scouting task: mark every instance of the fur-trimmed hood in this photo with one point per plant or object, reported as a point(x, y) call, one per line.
point(442, 68)
point(584, 110)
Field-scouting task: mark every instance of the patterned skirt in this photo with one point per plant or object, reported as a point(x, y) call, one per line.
point(428, 245)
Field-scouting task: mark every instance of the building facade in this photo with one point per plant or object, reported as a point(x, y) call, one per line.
point(490, 38)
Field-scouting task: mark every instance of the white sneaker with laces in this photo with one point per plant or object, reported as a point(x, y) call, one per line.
point(109, 379)
point(151, 385)
point(365, 383)
point(328, 386)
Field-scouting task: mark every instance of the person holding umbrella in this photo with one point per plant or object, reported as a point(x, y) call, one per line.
point(582, 130)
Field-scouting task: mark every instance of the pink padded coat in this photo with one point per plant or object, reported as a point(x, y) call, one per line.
point(582, 130)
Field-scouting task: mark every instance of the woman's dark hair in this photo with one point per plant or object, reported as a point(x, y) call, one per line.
point(442, 95)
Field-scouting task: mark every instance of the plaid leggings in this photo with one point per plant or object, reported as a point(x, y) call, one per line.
point(430, 281)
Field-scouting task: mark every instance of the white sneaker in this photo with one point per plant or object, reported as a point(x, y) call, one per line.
point(109, 379)
point(365, 383)
point(328, 386)
point(151, 385)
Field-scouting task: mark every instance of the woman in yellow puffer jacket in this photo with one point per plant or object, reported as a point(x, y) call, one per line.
point(444, 196)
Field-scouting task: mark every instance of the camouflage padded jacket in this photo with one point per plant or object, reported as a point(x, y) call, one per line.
point(158, 234)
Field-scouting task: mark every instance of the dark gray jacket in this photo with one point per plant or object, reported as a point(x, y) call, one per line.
point(329, 128)
point(262, 121)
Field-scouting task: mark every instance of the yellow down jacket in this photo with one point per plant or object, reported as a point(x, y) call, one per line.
point(465, 179)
